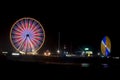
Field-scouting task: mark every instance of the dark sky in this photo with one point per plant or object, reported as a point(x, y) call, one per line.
point(78, 24)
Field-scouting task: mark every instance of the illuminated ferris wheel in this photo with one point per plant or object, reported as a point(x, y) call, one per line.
point(27, 35)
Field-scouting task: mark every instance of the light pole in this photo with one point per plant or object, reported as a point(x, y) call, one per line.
point(58, 51)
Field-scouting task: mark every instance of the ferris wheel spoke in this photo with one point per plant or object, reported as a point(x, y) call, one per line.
point(34, 43)
point(31, 26)
point(22, 43)
point(25, 46)
point(26, 23)
point(34, 28)
point(19, 25)
point(31, 45)
point(16, 30)
point(37, 42)
point(30, 23)
point(16, 33)
point(16, 36)
point(36, 31)
point(17, 40)
point(22, 23)
point(38, 38)
point(38, 35)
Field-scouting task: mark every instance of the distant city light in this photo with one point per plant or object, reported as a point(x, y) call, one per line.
point(83, 53)
point(22, 52)
point(86, 49)
point(89, 53)
point(98, 53)
point(116, 57)
point(70, 55)
point(105, 65)
point(66, 52)
point(102, 56)
point(85, 64)
point(47, 53)
point(58, 51)
point(108, 56)
point(15, 54)
point(4, 52)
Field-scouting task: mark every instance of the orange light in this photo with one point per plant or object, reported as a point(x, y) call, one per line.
point(47, 53)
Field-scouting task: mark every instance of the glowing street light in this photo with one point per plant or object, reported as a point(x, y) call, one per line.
point(58, 51)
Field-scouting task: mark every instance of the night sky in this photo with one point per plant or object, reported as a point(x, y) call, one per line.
point(78, 25)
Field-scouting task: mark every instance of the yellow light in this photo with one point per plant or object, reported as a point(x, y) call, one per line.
point(89, 53)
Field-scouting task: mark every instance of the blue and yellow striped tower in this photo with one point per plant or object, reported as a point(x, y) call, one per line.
point(106, 46)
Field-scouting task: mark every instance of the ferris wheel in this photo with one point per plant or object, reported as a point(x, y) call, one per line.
point(27, 35)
